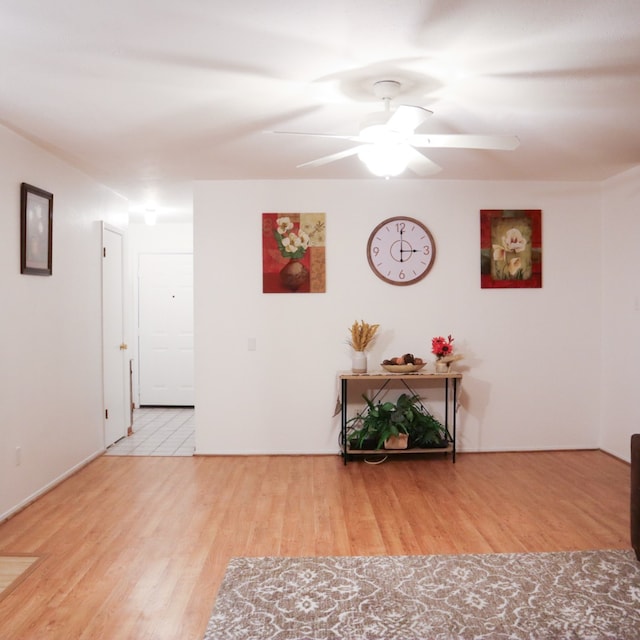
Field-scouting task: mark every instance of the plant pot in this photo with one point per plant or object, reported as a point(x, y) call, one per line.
point(397, 442)
point(368, 444)
point(442, 443)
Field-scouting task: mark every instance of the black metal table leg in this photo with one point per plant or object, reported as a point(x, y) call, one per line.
point(455, 404)
point(343, 426)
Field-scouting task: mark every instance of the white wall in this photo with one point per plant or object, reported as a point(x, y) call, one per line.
point(142, 238)
point(51, 364)
point(532, 356)
point(549, 368)
point(621, 312)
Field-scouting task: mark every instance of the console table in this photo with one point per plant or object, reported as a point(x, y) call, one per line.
point(381, 380)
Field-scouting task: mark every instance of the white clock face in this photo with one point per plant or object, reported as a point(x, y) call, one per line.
point(401, 250)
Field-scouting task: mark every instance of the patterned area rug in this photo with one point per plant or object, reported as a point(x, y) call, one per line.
point(564, 595)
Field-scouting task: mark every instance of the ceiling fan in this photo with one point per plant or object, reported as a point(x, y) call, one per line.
point(388, 144)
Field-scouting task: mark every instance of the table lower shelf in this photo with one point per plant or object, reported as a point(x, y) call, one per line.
point(393, 452)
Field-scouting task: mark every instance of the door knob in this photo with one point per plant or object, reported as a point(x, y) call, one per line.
point(123, 347)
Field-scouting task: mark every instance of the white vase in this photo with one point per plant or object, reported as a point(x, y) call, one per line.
point(442, 367)
point(359, 362)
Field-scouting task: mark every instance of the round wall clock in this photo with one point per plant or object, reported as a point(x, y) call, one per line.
point(401, 250)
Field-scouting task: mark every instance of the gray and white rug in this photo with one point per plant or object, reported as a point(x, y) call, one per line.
point(533, 596)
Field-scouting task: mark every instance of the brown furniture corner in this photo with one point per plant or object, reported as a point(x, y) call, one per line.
point(635, 493)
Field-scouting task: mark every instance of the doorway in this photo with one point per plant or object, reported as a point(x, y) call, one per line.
point(159, 431)
point(165, 329)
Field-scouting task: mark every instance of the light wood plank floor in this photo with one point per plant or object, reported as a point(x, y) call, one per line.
point(13, 569)
point(135, 548)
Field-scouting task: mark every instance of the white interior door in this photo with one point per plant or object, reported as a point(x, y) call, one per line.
point(114, 356)
point(165, 329)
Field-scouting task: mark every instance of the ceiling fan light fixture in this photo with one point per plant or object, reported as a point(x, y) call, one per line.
point(385, 160)
point(380, 134)
point(388, 143)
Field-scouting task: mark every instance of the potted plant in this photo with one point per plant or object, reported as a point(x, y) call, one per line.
point(384, 423)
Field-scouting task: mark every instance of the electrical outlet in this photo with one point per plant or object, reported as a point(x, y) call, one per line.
point(18, 456)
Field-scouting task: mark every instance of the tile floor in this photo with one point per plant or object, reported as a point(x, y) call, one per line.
point(158, 431)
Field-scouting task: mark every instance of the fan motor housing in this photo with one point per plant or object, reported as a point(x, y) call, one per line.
point(386, 89)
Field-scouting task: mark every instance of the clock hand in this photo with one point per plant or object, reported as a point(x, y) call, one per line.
point(406, 251)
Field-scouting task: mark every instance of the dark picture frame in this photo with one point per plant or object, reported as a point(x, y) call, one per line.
point(511, 248)
point(36, 230)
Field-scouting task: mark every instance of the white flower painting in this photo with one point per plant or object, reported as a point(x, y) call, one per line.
point(511, 248)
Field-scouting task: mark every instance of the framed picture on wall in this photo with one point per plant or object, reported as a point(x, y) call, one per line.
point(36, 230)
point(510, 248)
point(293, 252)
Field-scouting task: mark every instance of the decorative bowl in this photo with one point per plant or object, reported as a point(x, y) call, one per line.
point(403, 368)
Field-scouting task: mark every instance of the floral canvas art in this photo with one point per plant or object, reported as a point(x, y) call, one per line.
point(293, 252)
point(510, 248)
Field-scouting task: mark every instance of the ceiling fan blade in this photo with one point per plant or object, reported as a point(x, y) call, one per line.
point(421, 164)
point(333, 157)
point(464, 141)
point(319, 135)
point(407, 118)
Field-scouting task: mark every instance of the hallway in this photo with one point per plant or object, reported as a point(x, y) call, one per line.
point(158, 431)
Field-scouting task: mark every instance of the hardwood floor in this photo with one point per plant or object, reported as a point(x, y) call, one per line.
point(135, 548)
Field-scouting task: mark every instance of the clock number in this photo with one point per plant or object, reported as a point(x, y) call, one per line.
point(375, 251)
point(401, 275)
point(426, 250)
point(400, 226)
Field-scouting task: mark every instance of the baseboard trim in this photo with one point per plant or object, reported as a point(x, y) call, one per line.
point(51, 485)
point(326, 452)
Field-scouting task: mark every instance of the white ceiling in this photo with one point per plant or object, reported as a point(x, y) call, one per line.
point(148, 95)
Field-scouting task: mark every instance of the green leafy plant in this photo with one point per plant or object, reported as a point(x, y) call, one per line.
point(384, 419)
